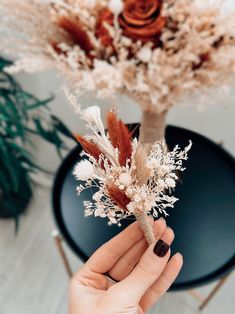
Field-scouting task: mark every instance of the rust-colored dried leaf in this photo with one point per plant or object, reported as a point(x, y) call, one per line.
point(77, 33)
point(105, 16)
point(120, 137)
point(89, 147)
point(55, 47)
point(118, 196)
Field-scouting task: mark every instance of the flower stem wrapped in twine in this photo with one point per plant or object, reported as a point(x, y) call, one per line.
point(142, 174)
point(153, 123)
point(153, 126)
point(145, 226)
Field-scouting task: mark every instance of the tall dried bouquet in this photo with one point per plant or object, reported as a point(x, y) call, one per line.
point(157, 51)
point(131, 179)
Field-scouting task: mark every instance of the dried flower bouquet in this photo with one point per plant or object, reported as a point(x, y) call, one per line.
point(156, 51)
point(130, 179)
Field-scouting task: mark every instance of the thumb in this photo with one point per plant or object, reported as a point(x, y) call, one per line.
point(146, 272)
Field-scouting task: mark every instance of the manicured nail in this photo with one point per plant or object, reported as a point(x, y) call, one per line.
point(161, 248)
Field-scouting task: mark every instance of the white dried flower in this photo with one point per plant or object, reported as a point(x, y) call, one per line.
point(84, 170)
point(99, 212)
point(93, 116)
point(170, 183)
point(97, 196)
point(163, 170)
point(137, 198)
point(160, 185)
point(153, 163)
point(125, 179)
point(89, 4)
point(116, 6)
point(131, 207)
point(88, 212)
point(144, 54)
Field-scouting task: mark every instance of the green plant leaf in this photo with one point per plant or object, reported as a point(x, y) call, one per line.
point(61, 127)
point(41, 103)
point(6, 162)
point(20, 116)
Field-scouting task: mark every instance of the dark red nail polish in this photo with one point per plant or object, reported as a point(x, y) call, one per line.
point(161, 248)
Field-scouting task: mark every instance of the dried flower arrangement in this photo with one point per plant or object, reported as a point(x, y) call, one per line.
point(157, 51)
point(132, 178)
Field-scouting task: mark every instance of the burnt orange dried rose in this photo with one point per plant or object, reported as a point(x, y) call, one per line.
point(105, 16)
point(142, 20)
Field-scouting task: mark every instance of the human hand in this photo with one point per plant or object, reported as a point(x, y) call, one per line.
point(144, 273)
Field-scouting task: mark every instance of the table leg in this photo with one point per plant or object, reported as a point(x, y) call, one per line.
point(197, 295)
point(213, 292)
point(58, 242)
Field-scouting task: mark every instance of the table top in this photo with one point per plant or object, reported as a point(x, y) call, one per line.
point(203, 219)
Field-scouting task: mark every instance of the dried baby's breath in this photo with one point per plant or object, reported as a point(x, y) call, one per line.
point(197, 49)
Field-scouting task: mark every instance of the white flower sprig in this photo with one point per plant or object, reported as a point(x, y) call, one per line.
point(112, 166)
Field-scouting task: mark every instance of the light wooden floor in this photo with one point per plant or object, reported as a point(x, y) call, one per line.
point(33, 281)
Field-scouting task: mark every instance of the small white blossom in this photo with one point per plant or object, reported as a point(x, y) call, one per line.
point(163, 170)
point(160, 185)
point(84, 170)
point(88, 212)
point(97, 196)
point(99, 211)
point(144, 54)
point(131, 207)
point(112, 220)
point(90, 4)
point(137, 198)
point(125, 179)
point(153, 163)
point(116, 6)
point(170, 183)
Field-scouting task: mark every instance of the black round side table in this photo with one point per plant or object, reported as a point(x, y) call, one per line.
point(203, 218)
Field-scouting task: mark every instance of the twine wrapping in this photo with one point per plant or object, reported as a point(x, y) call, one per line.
point(145, 226)
point(152, 129)
point(152, 126)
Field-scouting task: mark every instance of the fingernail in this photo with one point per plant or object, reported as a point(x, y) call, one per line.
point(161, 248)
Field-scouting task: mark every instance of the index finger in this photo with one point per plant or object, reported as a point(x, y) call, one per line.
point(110, 252)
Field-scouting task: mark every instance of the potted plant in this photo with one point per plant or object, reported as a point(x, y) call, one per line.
point(21, 115)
